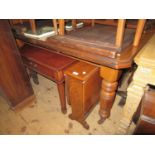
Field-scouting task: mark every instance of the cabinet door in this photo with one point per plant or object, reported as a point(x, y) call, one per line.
point(14, 80)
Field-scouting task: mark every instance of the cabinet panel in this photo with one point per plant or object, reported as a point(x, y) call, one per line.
point(14, 80)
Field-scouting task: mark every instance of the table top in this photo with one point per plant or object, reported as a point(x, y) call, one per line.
point(45, 58)
point(100, 37)
point(79, 50)
point(81, 70)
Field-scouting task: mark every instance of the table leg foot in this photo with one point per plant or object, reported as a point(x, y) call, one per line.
point(101, 120)
point(80, 120)
point(64, 111)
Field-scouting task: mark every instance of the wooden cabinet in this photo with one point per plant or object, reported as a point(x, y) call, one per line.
point(146, 122)
point(83, 90)
point(14, 81)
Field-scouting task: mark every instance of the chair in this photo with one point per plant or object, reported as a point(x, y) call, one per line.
point(119, 33)
point(33, 25)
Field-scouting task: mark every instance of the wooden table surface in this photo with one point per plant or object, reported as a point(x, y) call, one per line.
point(123, 59)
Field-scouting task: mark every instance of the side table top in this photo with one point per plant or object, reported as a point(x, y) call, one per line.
point(81, 70)
point(46, 58)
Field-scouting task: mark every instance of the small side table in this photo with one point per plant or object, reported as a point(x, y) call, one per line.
point(144, 75)
point(49, 64)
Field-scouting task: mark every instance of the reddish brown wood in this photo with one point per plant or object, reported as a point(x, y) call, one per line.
point(139, 31)
point(131, 23)
point(97, 45)
point(146, 122)
point(55, 25)
point(120, 32)
point(93, 22)
point(108, 91)
point(33, 25)
point(14, 80)
point(49, 64)
point(61, 27)
point(83, 85)
point(92, 54)
point(17, 21)
point(61, 90)
point(74, 22)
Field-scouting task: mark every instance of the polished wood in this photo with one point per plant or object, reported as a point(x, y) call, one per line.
point(21, 21)
point(48, 64)
point(146, 122)
point(143, 76)
point(130, 23)
point(14, 80)
point(15, 21)
point(108, 91)
point(62, 96)
point(61, 26)
point(120, 32)
point(74, 22)
point(95, 55)
point(111, 22)
point(139, 31)
point(83, 86)
point(93, 22)
point(33, 25)
point(55, 25)
point(19, 43)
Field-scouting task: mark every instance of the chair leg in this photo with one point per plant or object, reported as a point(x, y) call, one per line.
point(33, 25)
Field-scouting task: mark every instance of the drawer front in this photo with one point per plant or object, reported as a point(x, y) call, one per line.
point(51, 74)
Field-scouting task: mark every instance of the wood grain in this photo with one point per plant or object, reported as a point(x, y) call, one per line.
point(14, 80)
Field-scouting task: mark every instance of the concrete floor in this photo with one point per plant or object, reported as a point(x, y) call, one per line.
point(45, 117)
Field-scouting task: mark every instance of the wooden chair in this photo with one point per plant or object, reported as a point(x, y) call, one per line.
point(15, 21)
point(119, 33)
point(33, 25)
point(120, 30)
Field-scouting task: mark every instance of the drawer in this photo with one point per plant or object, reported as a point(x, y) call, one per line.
point(51, 74)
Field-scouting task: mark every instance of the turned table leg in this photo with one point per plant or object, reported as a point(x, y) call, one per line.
point(108, 91)
point(61, 90)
